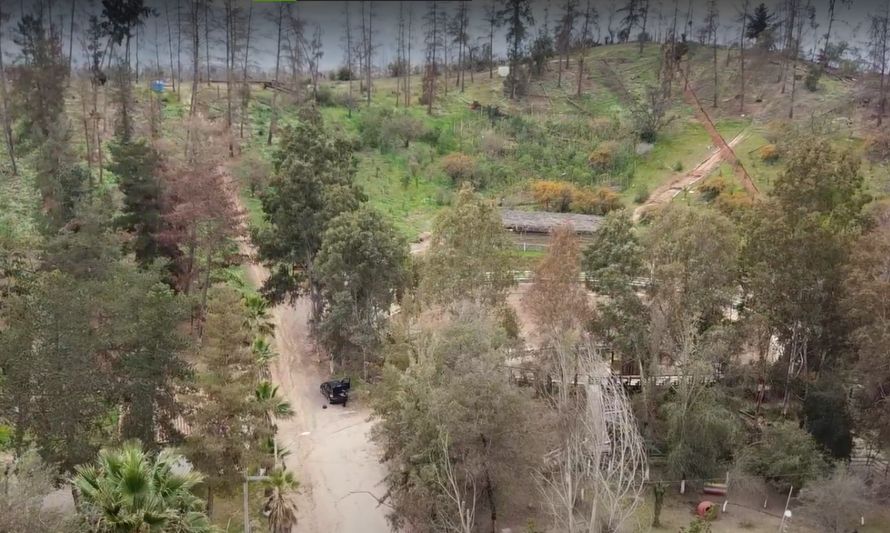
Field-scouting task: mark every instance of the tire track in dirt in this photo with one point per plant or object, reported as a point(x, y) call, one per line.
point(667, 191)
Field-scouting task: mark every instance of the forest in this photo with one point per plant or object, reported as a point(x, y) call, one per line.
point(588, 266)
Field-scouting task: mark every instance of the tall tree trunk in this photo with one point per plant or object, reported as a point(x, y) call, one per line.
point(179, 43)
point(369, 49)
point(742, 55)
point(408, 64)
point(274, 115)
point(193, 101)
point(824, 59)
point(7, 120)
point(716, 82)
point(173, 73)
point(244, 97)
point(794, 63)
point(207, 38)
point(580, 73)
point(71, 36)
point(230, 57)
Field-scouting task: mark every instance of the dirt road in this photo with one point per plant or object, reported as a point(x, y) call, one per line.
point(666, 192)
point(330, 449)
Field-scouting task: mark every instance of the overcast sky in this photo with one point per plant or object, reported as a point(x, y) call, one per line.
point(330, 16)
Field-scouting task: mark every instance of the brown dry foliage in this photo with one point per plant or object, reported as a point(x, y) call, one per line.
point(459, 167)
point(557, 300)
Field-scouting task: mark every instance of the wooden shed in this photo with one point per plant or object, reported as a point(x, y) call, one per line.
point(531, 229)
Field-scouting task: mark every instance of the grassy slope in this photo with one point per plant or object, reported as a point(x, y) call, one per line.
point(551, 134)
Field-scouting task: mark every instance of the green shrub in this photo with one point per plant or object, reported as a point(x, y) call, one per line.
point(443, 197)
point(814, 73)
point(785, 456)
point(641, 195)
point(677, 167)
point(370, 126)
point(324, 96)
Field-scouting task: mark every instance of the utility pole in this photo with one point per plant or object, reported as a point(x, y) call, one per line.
point(247, 480)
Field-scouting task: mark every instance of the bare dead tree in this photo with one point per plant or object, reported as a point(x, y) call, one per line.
point(71, 35)
point(273, 119)
point(564, 33)
point(711, 25)
point(460, 491)
point(644, 16)
point(433, 42)
point(797, 41)
point(590, 16)
point(408, 55)
point(4, 97)
point(368, 41)
point(491, 17)
point(194, 21)
point(207, 38)
point(461, 21)
point(245, 86)
point(594, 481)
point(832, 16)
point(746, 4)
point(173, 73)
point(347, 36)
point(179, 43)
point(314, 50)
point(879, 31)
point(231, 15)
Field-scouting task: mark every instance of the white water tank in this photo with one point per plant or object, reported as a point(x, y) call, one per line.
point(504, 71)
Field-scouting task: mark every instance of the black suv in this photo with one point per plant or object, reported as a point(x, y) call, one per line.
point(336, 391)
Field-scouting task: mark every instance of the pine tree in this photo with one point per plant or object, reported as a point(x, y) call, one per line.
point(516, 15)
point(759, 21)
point(134, 163)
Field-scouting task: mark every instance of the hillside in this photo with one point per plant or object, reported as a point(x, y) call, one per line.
point(551, 134)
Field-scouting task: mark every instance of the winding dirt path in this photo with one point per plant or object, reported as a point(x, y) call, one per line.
point(330, 450)
point(667, 191)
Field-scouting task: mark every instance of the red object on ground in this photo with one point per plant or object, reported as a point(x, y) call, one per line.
point(704, 509)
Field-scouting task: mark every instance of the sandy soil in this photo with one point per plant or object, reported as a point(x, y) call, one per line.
point(667, 191)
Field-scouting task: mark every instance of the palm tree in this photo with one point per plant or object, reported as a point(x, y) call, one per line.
point(280, 507)
point(268, 401)
point(127, 490)
point(264, 354)
point(257, 315)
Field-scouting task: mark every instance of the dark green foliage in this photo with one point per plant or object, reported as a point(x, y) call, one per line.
point(701, 433)
point(361, 266)
point(146, 341)
point(121, 17)
point(785, 455)
point(134, 163)
point(49, 354)
point(516, 16)
point(814, 74)
point(312, 184)
point(90, 346)
point(758, 22)
point(541, 51)
point(827, 418)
